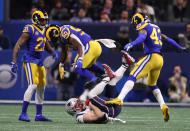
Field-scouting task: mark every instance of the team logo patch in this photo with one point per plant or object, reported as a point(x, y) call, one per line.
point(7, 78)
point(65, 33)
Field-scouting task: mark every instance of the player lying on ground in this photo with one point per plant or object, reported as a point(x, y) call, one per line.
point(151, 64)
point(34, 36)
point(94, 110)
point(88, 49)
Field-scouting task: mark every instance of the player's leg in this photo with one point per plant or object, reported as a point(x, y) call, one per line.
point(90, 57)
point(39, 96)
point(99, 88)
point(114, 77)
point(153, 76)
point(127, 60)
point(140, 70)
point(32, 85)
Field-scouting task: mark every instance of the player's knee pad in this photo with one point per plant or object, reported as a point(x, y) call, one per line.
point(156, 91)
point(29, 92)
point(39, 97)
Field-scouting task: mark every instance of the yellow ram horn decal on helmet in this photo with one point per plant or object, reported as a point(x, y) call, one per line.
point(48, 32)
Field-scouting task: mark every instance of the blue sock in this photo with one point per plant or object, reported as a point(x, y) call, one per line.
point(25, 106)
point(95, 68)
point(85, 73)
point(38, 109)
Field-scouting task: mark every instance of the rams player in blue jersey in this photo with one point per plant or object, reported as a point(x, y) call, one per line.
point(151, 37)
point(34, 36)
point(88, 49)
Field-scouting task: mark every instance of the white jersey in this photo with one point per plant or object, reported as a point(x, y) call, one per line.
point(79, 115)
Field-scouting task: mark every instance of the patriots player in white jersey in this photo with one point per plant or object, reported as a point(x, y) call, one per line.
point(93, 110)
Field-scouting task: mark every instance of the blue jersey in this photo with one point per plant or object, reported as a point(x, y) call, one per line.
point(152, 43)
point(68, 30)
point(35, 44)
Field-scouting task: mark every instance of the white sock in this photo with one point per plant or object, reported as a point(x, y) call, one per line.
point(84, 95)
point(39, 97)
point(118, 75)
point(159, 97)
point(126, 88)
point(98, 89)
point(29, 92)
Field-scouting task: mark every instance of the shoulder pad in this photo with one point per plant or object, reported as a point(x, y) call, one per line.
point(28, 29)
point(141, 26)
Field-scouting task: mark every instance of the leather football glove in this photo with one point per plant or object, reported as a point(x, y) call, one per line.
point(61, 71)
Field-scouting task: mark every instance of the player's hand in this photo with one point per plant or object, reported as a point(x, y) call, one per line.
point(55, 55)
point(14, 67)
point(78, 63)
point(128, 46)
point(61, 71)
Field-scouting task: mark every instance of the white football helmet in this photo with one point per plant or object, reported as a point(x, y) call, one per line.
point(73, 105)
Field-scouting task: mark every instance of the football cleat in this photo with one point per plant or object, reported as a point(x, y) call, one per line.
point(24, 117)
point(115, 101)
point(166, 112)
point(127, 59)
point(42, 118)
point(108, 71)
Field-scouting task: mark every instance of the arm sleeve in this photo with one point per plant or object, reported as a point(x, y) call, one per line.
point(140, 39)
point(172, 42)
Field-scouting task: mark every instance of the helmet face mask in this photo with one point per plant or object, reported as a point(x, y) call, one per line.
point(40, 18)
point(73, 106)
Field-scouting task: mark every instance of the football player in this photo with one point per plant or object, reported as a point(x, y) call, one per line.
point(34, 36)
point(88, 49)
point(94, 109)
point(151, 37)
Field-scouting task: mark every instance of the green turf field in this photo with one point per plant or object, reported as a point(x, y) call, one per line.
point(138, 119)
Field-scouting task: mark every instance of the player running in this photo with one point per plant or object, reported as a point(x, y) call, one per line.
point(94, 110)
point(34, 36)
point(151, 64)
point(88, 50)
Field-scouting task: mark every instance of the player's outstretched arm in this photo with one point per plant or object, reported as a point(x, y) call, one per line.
point(140, 39)
point(172, 42)
point(23, 38)
point(95, 115)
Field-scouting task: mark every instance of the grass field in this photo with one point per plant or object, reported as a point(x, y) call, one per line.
point(138, 119)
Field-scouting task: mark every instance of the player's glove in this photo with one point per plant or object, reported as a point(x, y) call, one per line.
point(55, 55)
point(128, 46)
point(14, 67)
point(78, 63)
point(61, 71)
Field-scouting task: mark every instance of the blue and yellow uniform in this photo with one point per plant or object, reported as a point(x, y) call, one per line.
point(32, 59)
point(152, 63)
point(92, 49)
